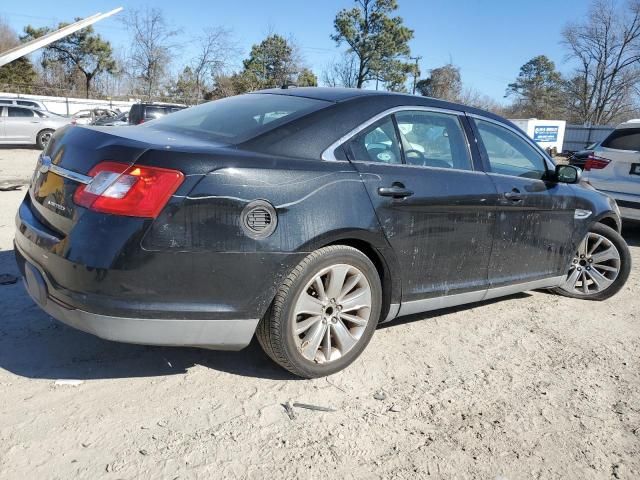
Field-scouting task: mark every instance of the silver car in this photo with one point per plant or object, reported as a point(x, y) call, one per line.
point(28, 126)
point(23, 102)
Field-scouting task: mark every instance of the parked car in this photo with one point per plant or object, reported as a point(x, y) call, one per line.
point(305, 216)
point(144, 112)
point(23, 102)
point(579, 158)
point(90, 116)
point(28, 126)
point(613, 167)
point(117, 121)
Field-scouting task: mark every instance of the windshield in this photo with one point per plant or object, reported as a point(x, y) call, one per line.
point(237, 119)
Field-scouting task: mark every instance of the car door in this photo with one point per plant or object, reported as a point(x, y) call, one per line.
point(21, 124)
point(534, 237)
point(3, 113)
point(435, 209)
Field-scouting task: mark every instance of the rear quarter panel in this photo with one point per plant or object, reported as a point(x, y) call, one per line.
point(317, 203)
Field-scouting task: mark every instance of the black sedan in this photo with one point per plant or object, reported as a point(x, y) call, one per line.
point(305, 217)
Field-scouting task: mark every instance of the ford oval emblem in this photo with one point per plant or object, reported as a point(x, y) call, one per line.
point(45, 164)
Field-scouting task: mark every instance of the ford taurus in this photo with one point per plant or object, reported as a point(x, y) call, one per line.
point(305, 217)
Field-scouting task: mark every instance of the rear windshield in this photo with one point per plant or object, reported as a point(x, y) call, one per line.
point(157, 112)
point(623, 139)
point(237, 119)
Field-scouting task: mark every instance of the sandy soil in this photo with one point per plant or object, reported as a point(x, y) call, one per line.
point(531, 386)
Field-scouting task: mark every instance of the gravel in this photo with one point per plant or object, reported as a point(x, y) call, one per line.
point(531, 386)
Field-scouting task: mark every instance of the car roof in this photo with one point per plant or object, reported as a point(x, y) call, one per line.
point(338, 95)
point(160, 104)
point(633, 123)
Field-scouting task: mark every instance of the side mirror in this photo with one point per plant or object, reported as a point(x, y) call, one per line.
point(568, 174)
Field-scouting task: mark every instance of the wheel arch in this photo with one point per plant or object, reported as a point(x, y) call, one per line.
point(610, 220)
point(383, 258)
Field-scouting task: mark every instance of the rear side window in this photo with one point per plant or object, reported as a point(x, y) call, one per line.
point(155, 112)
point(27, 104)
point(240, 118)
point(623, 139)
point(20, 112)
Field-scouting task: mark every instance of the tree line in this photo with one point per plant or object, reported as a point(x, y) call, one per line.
point(602, 88)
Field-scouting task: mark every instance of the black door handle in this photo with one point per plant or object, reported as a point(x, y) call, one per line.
point(513, 195)
point(397, 190)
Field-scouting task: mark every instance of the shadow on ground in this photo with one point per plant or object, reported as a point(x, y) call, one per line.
point(33, 345)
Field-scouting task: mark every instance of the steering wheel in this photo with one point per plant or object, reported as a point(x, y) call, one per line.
point(419, 156)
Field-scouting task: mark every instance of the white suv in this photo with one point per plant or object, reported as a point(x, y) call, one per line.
point(614, 168)
point(23, 102)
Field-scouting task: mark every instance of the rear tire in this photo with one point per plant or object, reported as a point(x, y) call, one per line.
point(324, 314)
point(600, 267)
point(43, 138)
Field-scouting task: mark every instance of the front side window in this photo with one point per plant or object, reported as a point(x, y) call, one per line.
point(19, 112)
point(509, 154)
point(432, 139)
point(623, 139)
point(378, 143)
point(240, 118)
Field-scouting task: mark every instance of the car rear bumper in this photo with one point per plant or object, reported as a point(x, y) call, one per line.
point(221, 334)
point(629, 204)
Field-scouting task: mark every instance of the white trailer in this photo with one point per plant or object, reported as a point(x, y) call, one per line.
point(549, 134)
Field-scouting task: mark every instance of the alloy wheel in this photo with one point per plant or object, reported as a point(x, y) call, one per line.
point(45, 137)
point(595, 266)
point(331, 313)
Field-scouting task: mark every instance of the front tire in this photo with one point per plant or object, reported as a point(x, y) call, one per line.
point(43, 138)
point(599, 268)
point(324, 313)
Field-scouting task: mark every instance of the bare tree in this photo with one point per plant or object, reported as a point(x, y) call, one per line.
point(8, 36)
point(473, 98)
point(151, 47)
point(606, 47)
point(216, 48)
point(443, 82)
point(342, 72)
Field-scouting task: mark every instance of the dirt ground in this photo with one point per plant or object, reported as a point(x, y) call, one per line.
point(531, 386)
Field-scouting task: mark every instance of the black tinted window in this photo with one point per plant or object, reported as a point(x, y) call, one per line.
point(623, 139)
point(433, 139)
point(237, 119)
point(155, 112)
point(378, 143)
point(20, 112)
point(510, 154)
point(26, 104)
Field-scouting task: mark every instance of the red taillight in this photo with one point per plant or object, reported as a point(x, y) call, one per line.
point(595, 163)
point(133, 191)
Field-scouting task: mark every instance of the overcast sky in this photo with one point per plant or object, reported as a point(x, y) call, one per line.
point(489, 40)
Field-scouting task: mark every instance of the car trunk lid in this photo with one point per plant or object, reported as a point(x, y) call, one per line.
point(74, 152)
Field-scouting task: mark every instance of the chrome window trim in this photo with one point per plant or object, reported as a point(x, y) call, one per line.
point(329, 153)
point(71, 175)
point(548, 162)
